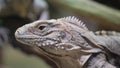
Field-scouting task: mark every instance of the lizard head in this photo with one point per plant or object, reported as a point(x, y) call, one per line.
point(55, 36)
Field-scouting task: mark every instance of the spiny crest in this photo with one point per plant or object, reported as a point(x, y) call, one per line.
point(108, 33)
point(74, 20)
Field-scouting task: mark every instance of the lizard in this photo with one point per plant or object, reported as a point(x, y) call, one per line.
point(70, 44)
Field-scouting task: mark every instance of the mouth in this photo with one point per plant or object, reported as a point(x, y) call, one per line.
point(46, 43)
point(38, 41)
point(49, 45)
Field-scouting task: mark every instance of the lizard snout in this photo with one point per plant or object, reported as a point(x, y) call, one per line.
point(19, 32)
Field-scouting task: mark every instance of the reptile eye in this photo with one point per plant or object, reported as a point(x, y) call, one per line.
point(42, 27)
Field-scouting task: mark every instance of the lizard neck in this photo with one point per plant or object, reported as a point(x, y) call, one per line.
point(67, 62)
point(75, 61)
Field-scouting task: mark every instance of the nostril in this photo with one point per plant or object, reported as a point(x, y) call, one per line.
point(18, 32)
point(42, 27)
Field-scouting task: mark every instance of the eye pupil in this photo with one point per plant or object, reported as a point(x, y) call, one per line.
point(42, 27)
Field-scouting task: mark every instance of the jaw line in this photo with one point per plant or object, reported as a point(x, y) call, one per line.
point(49, 53)
point(41, 48)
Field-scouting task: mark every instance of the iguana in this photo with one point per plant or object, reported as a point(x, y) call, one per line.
point(70, 44)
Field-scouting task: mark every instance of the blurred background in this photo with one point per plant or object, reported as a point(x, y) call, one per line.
point(96, 14)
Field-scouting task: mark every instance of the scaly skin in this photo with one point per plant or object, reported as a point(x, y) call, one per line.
point(68, 43)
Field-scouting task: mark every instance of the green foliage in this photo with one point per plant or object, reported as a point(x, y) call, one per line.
point(17, 59)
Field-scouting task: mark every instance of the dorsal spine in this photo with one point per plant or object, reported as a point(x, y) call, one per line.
point(109, 33)
point(74, 20)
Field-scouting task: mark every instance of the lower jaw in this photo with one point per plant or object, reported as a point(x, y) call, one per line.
point(49, 52)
